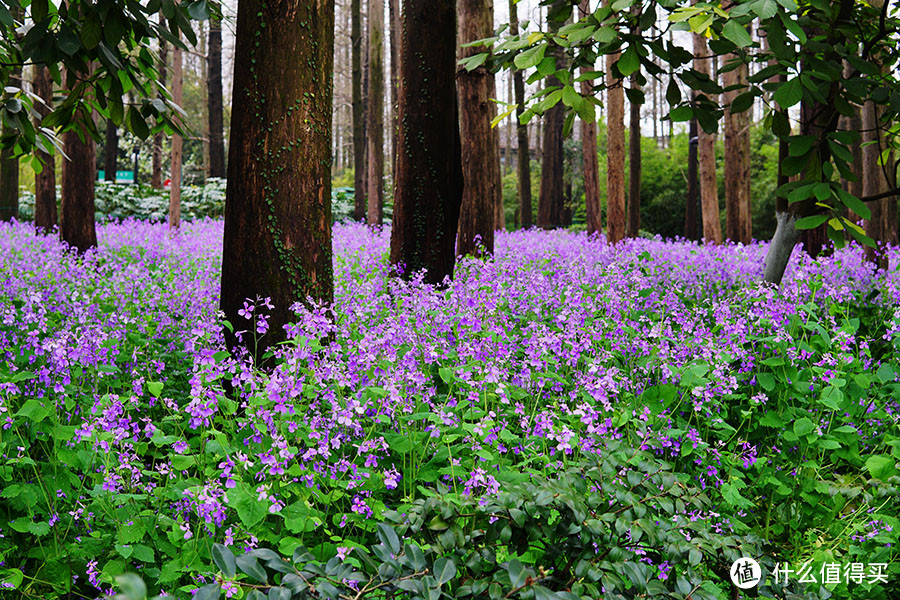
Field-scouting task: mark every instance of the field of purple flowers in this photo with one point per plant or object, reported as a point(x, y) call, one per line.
point(766, 420)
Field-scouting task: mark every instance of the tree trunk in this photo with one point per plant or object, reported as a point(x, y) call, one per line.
point(523, 154)
point(706, 156)
point(359, 131)
point(589, 162)
point(9, 167)
point(692, 205)
point(394, 20)
point(481, 185)
point(215, 100)
point(550, 201)
point(76, 223)
point(277, 240)
point(111, 152)
point(429, 173)
point(45, 217)
point(615, 154)
point(877, 179)
point(737, 161)
point(375, 115)
point(634, 165)
point(177, 143)
point(156, 178)
point(495, 164)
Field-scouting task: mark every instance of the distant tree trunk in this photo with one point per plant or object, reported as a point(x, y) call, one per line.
point(691, 212)
point(429, 173)
point(76, 223)
point(496, 167)
point(615, 154)
point(375, 115)
point(550, 201)
point(156, 179)
point(523, 154)
point(9, 168)
point(214, 92)
point(45, 217)
point(481, 181)
point(177, 144)
point(706, 153)
point(877, 178)
point(359, 132)
point(634, 164)
point(111, 152)
point(737, 160)
point(277, 240)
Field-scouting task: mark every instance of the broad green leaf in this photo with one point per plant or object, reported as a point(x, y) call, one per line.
point(736, 34)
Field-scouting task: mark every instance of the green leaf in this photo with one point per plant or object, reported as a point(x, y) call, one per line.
point(389, 538)
point(517, 573)
point(444, 570)
point(208, 592)
point(91, 32)
point(250, 511)
point(789, 93)
point(885, 373)
point(832, 397)
point(810, 222)
point(736, 34)
point(803, 426)
point(570, 97)
point(155, 388)
point(530, 58)
point(249, 566)
point(629, 62)
point(766, 380)
point(132, 586)
point(224, 560)
point(681, 113)
point(881, 466)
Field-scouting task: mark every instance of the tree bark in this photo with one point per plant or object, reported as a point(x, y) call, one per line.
point(156, 179)
point(615, 154)
point(523, 153)
point(396, 41)
point(45, 214)
point(633, 226)
point(76, 223)
point(215, 100)
point(277, 239)
point(359, 135)
point(111, 152)
point(737, 160)
point(481, 181)
point(375, 115)
point(429, 173)
point(177, 143)
point(551, 201)
point(9, 168)
point(706, 156)
point(692, 208)
point(876, 180)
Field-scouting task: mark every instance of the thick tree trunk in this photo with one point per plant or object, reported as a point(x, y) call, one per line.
point(76, 222)
point(277, 241)
point(706, 156)
point(111, 152)
point(375, 115)
point(156, 178)
point(177, 143)
point(359, 131)
point(523, 154)
point(9, 168)
point(45, 217)
point(590, 168)
point(692, 205)
point(633, 227)
point(877, 179)
point(737, 161)
point(429, 173)
point(215, 102)
point(550, 201)
point(615, 155)
point(394, 20)
point(481, 181)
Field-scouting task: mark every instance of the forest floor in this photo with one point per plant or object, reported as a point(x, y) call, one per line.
point(712, 416)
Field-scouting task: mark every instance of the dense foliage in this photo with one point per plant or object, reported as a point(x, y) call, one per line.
point(648, 398)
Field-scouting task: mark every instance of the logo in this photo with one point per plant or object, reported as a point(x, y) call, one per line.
point(745, 573)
